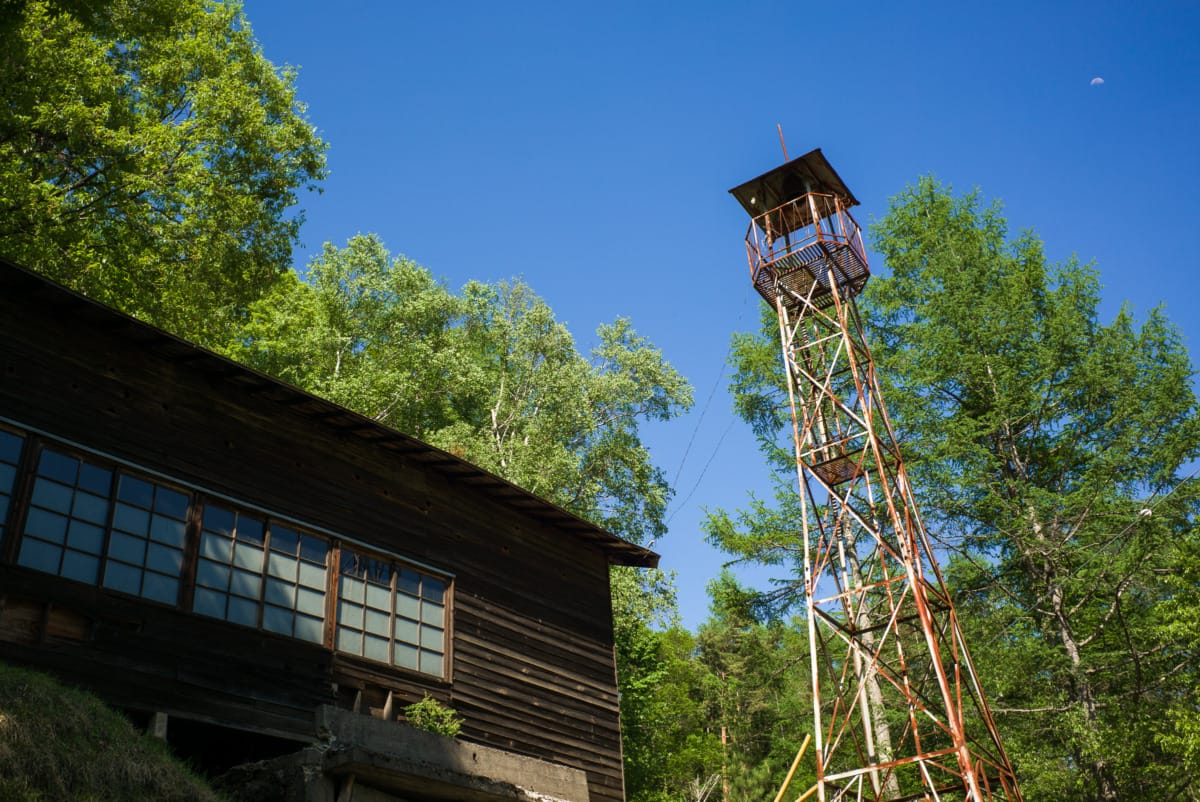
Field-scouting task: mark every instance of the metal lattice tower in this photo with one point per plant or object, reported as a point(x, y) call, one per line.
point(898, 710)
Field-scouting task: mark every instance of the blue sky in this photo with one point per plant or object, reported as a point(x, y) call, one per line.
point(588, 149)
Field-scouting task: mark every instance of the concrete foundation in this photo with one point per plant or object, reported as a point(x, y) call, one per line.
point(363, 759)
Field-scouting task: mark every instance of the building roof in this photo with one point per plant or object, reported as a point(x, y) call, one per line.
point(809, 173)
point(18, 282)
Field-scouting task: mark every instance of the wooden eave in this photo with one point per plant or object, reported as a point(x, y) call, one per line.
point(30, 287)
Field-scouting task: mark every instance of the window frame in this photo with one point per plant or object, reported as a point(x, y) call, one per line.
point(28, 475)
point(264, 573)
point(198, 499)
point(397, 564)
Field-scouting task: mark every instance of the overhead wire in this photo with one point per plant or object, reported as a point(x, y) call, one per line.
point(699, 421)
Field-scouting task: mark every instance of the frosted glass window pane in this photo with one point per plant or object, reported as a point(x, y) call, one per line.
point(434, 590)
point(124, 578)
point(127, 548)
point(85, 537)
point(164, 559)
point(248, 557)
point(312, 576)
point(350, 614)
point(245, 584)
point(171, 503)
point(349, 641)
point(214, 575)
point(406, 630)
point(379, 598)
point(8, 474)
point(209, 602)
point(282, 566)
point(277, 619)
point(407, 605)
point(375, 648)
point(160, 588)
point(40, 556)
point(378, 623)
point(431, 662)
point(408, 582)
point(310, 629)
point(168, 530)
point(46, 525)
point(219, 520)
point(284, 540)
point(52, 495)
point(433, 614)
point(95, 479)
point(58, 466)
point(242, 611)
point(352, 589)
point(81, 567)
point(216, 547)
point(90, 508)
point(280, 593)
point(131, 519)
point(249, 529)
point(431, 638)
point(10, 446)
point(313, 549)
point(311, 602)
point(406, 655)
point(135, 491)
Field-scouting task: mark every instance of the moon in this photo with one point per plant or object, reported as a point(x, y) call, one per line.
point(1097, 81)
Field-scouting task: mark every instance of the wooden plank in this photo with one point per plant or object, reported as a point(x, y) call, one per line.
point(531, 618)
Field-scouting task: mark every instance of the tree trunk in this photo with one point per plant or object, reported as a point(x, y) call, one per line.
point(1040, 561)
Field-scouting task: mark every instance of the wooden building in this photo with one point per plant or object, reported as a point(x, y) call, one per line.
point(194, 540)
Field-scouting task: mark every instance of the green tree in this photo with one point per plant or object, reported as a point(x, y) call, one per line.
point(757, 691)
point(149, 156)
point(670, 739)
point(1048, 450)
point(728, 705)
point(488, 374)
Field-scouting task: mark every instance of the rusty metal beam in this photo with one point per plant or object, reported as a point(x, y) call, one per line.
point(898, 710)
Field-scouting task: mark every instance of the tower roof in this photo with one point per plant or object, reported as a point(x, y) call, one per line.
point(809, 173)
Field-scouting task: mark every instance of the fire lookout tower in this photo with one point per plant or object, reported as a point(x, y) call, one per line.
point(898, 711)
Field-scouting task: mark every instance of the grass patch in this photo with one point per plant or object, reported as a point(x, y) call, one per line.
point(59, 743)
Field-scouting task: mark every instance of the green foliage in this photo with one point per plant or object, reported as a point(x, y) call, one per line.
point(1048, 450)
point(758, 690)
point(666, 731)
point(60, 743)
point(432, 716)
point(740, 675)
point(149, 155)
point(488, 375)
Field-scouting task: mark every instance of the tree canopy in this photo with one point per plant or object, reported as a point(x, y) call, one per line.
point(150, 156)
point(487, 374)
point(1050, 452)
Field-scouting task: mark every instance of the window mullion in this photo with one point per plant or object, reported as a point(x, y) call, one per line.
point(265, 573)
point(191, 552)
point(18, 500)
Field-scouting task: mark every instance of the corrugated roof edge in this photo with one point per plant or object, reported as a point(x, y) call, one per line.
point(14, 278)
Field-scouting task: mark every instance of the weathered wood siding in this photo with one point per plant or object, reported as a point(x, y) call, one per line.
point(531, 648)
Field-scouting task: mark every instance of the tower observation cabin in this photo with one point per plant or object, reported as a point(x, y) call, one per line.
point(801, 230)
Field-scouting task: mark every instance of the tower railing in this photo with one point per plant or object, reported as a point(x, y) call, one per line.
point(795, 241)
